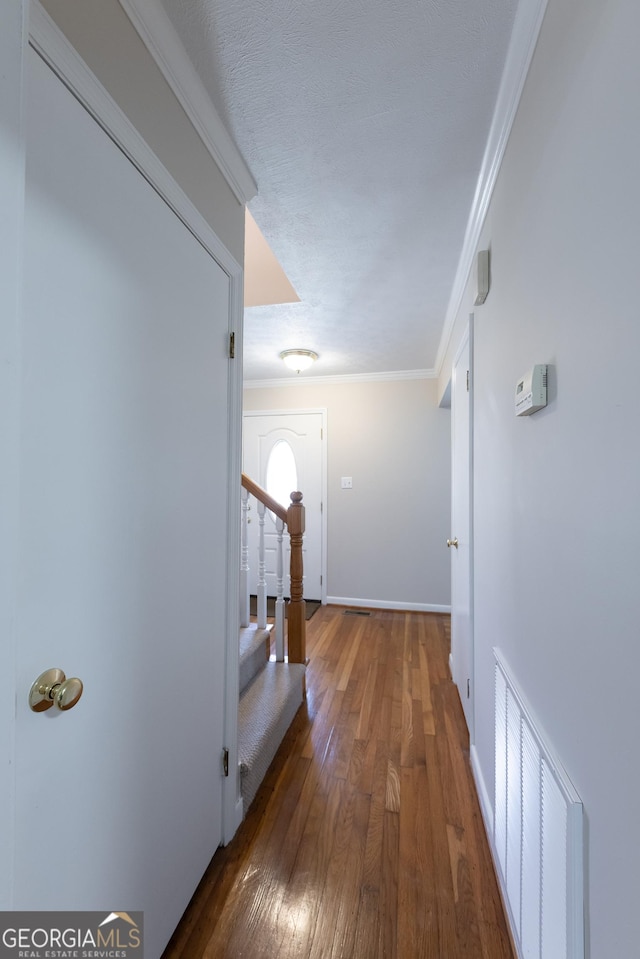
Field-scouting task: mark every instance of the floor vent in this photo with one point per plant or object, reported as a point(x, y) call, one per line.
point(538, 832)
point(357, 612)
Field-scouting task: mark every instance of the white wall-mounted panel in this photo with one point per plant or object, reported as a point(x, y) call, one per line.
point(531, 838)
point(500, 800)
point(514, 808)
point(537, 832)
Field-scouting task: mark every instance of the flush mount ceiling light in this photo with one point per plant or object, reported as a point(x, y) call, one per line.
point(298, 360)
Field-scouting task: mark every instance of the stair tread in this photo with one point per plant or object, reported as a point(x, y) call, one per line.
point(249, 634)
point(254, 652)
point(267, 708)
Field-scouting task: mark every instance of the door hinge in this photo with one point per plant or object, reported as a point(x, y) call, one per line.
point(467, 381)
point(468, 689)
point(225, 761)
point(232, 346)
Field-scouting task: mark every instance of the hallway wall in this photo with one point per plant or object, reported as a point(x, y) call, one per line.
point(557, 521)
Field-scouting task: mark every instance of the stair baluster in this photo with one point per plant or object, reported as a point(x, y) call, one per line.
point(262, 580)
point(279, 617)
point(245, 616)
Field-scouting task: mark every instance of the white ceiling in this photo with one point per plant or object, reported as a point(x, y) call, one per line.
point(364, 124)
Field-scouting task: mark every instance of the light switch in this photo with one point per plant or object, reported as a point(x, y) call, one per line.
point(346, 482)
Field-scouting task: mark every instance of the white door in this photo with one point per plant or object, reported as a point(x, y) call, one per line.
point(122, 561)
point(284, 452)
point(461, 527)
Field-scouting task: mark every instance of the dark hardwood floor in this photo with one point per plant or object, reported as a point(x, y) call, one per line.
point(366, 839)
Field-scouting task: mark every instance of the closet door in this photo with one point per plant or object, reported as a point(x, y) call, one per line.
point(122, 560)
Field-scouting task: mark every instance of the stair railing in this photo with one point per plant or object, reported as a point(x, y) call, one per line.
point(293, 518)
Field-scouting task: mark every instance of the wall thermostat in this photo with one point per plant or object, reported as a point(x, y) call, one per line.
point(531, 390)
point(482, 277)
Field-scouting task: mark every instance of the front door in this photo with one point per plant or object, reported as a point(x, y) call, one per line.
point(284, 452)
point(122, 557)
point(461, 527)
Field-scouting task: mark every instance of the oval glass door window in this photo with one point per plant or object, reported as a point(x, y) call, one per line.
point(281, 476)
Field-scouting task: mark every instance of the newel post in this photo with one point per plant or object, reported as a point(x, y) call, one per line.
point(297, 641)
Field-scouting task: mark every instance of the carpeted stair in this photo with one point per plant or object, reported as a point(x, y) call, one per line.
point(270, 696)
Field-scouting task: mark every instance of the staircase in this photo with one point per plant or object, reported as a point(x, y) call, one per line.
point(271, 689)
point(270, 695)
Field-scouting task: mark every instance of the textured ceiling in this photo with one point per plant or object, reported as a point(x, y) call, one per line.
point(364, 125)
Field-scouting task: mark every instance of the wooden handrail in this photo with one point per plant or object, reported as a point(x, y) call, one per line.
point(264, 497)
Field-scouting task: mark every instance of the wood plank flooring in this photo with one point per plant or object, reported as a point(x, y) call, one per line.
point(365, 840)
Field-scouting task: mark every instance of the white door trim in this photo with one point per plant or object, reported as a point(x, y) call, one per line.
point(467, 338)
point(49, 42)
point(323, 413)
point(232, 804)
point(13, 45)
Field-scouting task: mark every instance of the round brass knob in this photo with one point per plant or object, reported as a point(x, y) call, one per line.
point(452, 542)
point(52, 688)
point(68, 693)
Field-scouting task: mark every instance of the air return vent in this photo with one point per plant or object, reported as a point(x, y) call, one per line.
point(538, 833)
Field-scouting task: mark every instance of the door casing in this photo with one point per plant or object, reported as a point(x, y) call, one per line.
point(462, 646)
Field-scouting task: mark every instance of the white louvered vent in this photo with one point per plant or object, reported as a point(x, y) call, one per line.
point(538, 833)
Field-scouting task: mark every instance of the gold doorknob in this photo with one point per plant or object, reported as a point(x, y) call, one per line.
point(452, 542)
point(52, 688)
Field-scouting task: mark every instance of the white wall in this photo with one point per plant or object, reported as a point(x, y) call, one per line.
point(104, 37)
point(386, 536)
point(557, 517)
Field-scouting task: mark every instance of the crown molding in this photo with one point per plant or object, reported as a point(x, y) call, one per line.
point(159, 36)
point(391, 376)
point(526, 29)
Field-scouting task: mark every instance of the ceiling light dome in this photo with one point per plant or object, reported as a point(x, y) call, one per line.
point(298, 360)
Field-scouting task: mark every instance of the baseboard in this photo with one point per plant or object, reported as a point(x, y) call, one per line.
point(486, 806)
point(233, 816)
point(239, 812)
point(387, 604)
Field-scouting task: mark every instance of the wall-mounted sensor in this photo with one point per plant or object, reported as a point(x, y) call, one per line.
point(531, 390)
point(482, 277)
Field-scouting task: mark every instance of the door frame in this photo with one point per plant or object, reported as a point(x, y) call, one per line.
point(466, 339)
point(50, 44)
point(13, 49)
point(323, 481)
